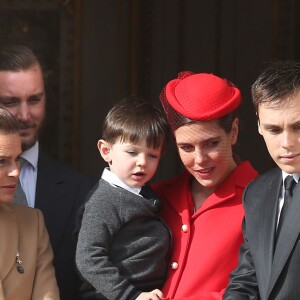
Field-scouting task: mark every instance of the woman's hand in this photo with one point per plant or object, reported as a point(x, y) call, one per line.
point(153, 295)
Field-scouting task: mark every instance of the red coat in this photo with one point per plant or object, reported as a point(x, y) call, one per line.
point(205, 244)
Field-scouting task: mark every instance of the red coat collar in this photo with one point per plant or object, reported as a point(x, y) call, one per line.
point(176, 191)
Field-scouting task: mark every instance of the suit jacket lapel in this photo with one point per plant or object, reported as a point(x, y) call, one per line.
point(267, 225)
point(8, 232)
point(51, 198)
point(287, 239)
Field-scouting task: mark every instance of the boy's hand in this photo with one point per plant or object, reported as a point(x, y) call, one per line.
point(153, 295)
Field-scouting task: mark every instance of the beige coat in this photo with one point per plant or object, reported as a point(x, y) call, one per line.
point(22, 230)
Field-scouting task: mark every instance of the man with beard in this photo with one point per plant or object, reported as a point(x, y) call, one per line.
point(48, 185)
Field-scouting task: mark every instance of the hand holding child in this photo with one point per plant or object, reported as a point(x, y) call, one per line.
point(153, 295)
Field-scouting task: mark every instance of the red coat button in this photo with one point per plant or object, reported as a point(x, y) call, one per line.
point(184, 228)
point(174, 265)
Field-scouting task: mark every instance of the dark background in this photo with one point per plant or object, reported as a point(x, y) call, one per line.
point(97, 52)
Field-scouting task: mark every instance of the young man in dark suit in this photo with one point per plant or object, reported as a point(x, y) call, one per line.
point(48, 184)
point(269, 261)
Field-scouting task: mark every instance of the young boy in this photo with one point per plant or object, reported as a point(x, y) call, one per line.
point(123, 244)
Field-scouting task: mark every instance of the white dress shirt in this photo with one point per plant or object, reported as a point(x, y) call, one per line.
point(281, 198)
point(114, 180)
point(28, 174)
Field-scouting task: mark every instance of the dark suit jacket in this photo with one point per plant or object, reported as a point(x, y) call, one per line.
point(59, 193)
point(264, 272)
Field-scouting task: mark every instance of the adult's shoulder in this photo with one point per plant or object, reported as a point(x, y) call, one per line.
point(25, 215)
point(49, 166)
point(261, 189)
point(265, 178)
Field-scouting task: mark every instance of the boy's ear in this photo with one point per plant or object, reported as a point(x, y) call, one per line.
point(104, 149)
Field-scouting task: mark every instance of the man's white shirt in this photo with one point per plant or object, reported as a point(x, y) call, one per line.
point(28, 174)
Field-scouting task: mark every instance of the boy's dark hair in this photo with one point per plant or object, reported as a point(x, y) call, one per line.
point(134, 119)
point(278, 81)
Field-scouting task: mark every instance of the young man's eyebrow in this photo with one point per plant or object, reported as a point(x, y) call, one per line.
point(267, 125)
point(296, 124)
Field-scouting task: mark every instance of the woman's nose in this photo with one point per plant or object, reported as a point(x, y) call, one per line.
point(14, 170)
point(200, 157)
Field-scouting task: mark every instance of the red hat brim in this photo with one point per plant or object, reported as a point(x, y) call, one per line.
point(202, 96)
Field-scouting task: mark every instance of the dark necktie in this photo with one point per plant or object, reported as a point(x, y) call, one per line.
point(289, 185)
point(19, 195)
point(149, 194)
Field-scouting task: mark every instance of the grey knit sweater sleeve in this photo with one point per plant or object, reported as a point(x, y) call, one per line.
point(106, 241)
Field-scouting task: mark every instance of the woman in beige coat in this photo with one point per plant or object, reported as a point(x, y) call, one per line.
point(26, 270)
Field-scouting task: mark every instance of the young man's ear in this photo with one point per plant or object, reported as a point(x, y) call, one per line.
point(104, 149)
point(258, 124)
point(259, 128)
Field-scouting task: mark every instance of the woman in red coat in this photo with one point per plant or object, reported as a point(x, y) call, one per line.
point(203, 206)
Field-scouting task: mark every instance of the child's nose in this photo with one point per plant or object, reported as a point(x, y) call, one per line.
point(141, 161)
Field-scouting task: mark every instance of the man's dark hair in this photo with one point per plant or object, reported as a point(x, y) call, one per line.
point(276, 83)
point(17, 58)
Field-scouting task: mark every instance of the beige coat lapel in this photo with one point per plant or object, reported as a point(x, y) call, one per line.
point(1, 291)
point(8, 232)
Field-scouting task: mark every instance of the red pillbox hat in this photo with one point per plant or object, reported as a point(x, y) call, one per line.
point(201, 96)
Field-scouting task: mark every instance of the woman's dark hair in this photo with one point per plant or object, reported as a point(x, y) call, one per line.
point(8, 123)
point(177, 120)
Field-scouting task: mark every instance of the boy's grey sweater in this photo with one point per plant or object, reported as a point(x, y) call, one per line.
point(122, 245)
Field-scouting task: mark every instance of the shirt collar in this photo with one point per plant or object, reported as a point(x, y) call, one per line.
point(114, 180)
point(295, 175)
point(32, 154)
